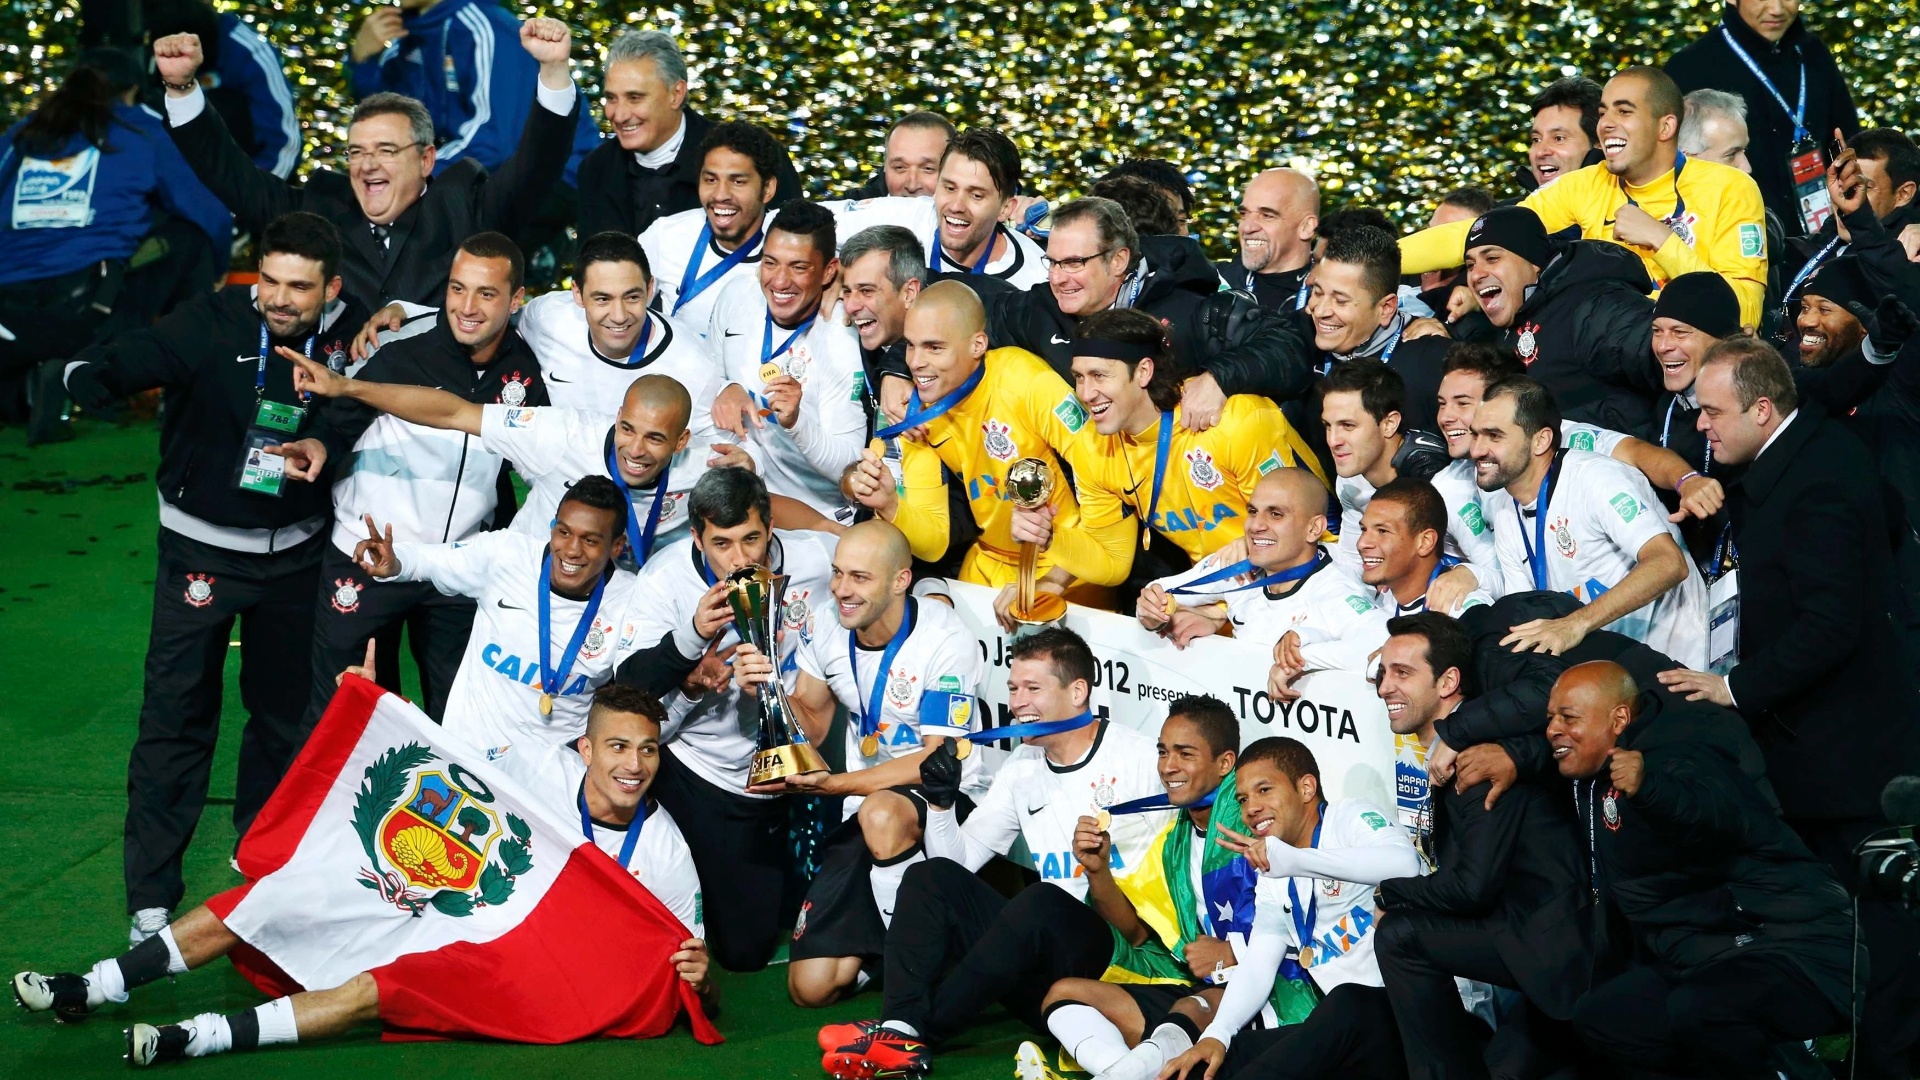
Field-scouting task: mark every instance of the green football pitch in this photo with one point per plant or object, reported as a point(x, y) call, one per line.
point(76, 543)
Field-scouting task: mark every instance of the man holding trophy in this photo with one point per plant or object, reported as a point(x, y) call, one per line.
point(735, 580)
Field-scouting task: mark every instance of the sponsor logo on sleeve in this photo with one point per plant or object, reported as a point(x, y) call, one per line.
point(1626, 506)
point(1753, 242)
point(1071, 413)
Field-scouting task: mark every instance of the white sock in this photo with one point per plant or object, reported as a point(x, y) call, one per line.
point(106, 983)
point(1090, 1037)
point(1145, 1061)
point(903, 1028)
point(208, 1034)
point(176, 964)
point(886, 884)
point(276, 1022)
point(861, 980)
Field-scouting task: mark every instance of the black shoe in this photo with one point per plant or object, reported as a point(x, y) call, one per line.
point(65, 994)
point(149, 1045)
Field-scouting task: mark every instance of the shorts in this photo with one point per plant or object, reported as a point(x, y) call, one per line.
point(1156, 1000)
point(838, 917)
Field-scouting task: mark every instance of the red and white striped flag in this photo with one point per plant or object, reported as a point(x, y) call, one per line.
point(478, 906)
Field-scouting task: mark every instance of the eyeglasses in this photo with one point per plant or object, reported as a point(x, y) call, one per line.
point(385, 153)
point(1073, 264)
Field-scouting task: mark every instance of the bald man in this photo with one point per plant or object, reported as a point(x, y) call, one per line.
point(977, 411)
point(1279, 212)
point(907, 670)
point(1288, 593)
point(1744, 940)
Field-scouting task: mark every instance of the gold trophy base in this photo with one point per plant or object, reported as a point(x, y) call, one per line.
point(784, 761)
point(1046, 608)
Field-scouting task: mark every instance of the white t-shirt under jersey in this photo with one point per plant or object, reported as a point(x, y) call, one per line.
point(805, 461)
point(494, 702)
point(939, 654)
point(1014, 258)
point(552, 447)
point(578, 377)
point(669, 243)
point(716, 734)
point(1036, 800)
point(1599, 515)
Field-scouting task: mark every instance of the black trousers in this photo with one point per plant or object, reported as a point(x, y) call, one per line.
point(1419, 955)
point(739, 852)
point(1718, 1020)
point(957, 946)
point(1350, 1035)
point(1890, 1017)
point(352, 607)
point(198, 592)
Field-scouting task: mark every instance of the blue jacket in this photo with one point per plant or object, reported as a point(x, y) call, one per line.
point(249, 69)
point(463, 59)
point(58, 215)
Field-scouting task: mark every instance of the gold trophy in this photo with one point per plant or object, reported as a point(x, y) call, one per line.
point(756, 595)
point(1030, 486)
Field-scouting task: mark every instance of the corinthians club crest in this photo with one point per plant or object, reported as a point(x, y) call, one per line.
point(433, 838)
point(1000, 446)
point(513, 391)
point(199, 589)
point(346, 596)
point(1202, 471)
point(1610, 809)
point(1528, 344)
point(1563, 538)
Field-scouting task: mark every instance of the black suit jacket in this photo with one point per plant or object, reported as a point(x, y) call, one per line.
point(463, 200)
point(1821, 679)
point(606, 184)
point(1520, 868)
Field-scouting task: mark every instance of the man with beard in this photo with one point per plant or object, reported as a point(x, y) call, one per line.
point(1279, 211)
point(242, 510)
point(1096, 260)
point(1445, 291)
point(695, 252)
point(1872, 184)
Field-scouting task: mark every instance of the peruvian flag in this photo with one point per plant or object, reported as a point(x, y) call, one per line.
point(478, 906)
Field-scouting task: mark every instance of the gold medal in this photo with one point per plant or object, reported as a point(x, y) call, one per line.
point(869, 745)
point(1101, 820)
point(1306, 956)
point(878, 448)
point(770, 371)
point(961, 748)
point(546, 704)
point(1146, 541)
point(1173, 605)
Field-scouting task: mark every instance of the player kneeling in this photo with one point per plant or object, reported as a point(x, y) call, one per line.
point(603, 779)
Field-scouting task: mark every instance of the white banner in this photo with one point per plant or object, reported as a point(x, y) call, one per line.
point(1337, 715)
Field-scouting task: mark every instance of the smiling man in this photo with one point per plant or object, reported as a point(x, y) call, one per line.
point(910, 159)
point(1564, 135)
point(1353, 301)
point(694, 253)
point(1279, 211)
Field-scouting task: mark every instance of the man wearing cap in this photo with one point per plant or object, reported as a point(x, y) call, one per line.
point(1695, 312)
point(1575, 312)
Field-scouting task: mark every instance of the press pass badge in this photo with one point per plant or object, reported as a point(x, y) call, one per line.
point(274, 416)
point(260, 472)
point(1810, 184)
point(1723, 622)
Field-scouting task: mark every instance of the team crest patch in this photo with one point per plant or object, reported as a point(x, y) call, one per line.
point(1684, 226)
point(595, 642)
point(1580, 440)
point(1753, 242)
point(795, 613)
point(513, 392)
point(1625, 505)
point(800, 924)
point(1563, 538)
point(199, 589)
point(1201, 470)
point(433, 839)
point(1610, 809)
point(1071, 413)
point(1528, 343)
point(1103, 794)
point(1000, 445)
point(799, 363)
point(900, 689)
point(336, 358)
point(346, 596)
point(1471, 517)
point(1331, 888)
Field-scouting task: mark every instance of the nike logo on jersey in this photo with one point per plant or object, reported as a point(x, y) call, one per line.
point(729, 333)
point(1607, 224)
point(509, 607)
point(555, 378)
point(1058, 340)
point(247, 359)
point(1036, 809)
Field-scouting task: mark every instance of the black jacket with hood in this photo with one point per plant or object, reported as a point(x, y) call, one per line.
point(1585, 332)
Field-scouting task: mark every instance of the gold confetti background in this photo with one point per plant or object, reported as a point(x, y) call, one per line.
point(1390, 103)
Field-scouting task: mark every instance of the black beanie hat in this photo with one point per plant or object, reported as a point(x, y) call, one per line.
point(1842, 282)
point(1702, 300)
point(1516, 228)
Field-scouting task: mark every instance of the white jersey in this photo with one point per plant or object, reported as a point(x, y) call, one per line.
point(1589, 437)
point(1014, 258)
point(552, 447)
point(495, 699)
point(1392, 608)
point(716, 734)
point(939, 654)
point(671, 242)
point(1339, 917)
point(1469, 539)
point(578, 377)
point(803, 462)
point(1331, 605)
point(1599, 515)
point(1033, 799)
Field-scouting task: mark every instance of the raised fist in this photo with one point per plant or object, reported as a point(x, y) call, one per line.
point(178, 58)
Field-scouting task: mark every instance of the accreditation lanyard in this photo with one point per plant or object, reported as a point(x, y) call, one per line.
point(1304, 916)
point(870, 719)
point(1834, 249)
point(979, 266)
point(1386, 354)
point(1537, 549)
point(552, 680)
point(917, 416)
point(272, 414)
point(1666, 429)
point(633, 827)
point(693, 286)
point(1291, 574)
point(1161, 450)
point(639, 540)
point(1300, 294)
point(1030, 730)
point(1679, 202)
point(1797, 115)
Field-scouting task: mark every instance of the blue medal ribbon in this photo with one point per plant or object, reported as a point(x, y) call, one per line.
point(768, 352)
point(870, 719)
point(1305, 917)
point(1150, 803)
point(640, 541)
point(1031, 730)
point(260, 372)
point(979, 266)
point(1799, 115)
point(1295, 573)
point(1537, 550)
point(916, 415)
point(633, 827)
point(1161, 451)
point(550, 680)
point(698, 285)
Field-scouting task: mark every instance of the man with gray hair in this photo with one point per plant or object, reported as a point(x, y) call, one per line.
point(651, 166)
point(1714, 128)
point(883, 269)
point(1279, 211)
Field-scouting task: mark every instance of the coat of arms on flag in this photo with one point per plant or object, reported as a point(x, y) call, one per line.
point(431, 848)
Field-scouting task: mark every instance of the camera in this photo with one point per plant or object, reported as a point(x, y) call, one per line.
point(1890, 870)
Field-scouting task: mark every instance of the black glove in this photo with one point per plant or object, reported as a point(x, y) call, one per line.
point(1889, 327)
point(84, 386)
point(1421, 456)
point(940, 776)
